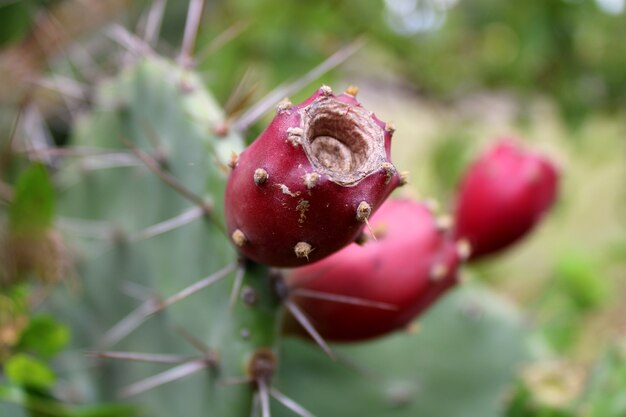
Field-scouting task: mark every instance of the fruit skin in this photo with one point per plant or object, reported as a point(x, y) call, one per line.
point(410, 265)
point(502, 196)
point(287, 207)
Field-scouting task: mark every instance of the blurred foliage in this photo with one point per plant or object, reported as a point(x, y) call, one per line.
point(570, 50)
point(17, 17)
point(15, 20)
point(605, 395)
point(581, 279)
point(557, 390)
point(32, 209)
point(28, 371)
point(579, 286)
point(44, 336)
point(450, 157)
point(30, 248)
point(20, 402)
point(13, 318)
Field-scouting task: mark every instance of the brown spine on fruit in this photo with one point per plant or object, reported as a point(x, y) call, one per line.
point(283, 106)
point(352, 90)
point(239, 238)
point(232, 162)
point(363, 211)
point(310, 180)
point(260, 176)
point(464, 249)
point(303, 249)
point(438, 272)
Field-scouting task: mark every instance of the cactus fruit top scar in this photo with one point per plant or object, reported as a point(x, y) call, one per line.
point(306, 179)
point(342, 141)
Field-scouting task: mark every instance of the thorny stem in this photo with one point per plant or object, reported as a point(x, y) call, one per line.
point(154, 140)
point(289, 403)
point(175, 222)
point(308, 326)
point(170, 180)
point(107, 231)
point(154, 21)
point(270, 100)
point(255, 112)
point(196, 343)
point(63, 85)
point(137, 291)
point(53, 31)
point(128, 40)
point(344, 299)
point(91, 229)
point(264, 397)
point(282, 292)
point(239, 97)
point(173, 374)
point(141, 357)
point(262, 365)
point(236, 287)
point(73, 151)
point(138, 316)
point(222, 39)
point(128, 324)
point(194, 288)
point(194, 15)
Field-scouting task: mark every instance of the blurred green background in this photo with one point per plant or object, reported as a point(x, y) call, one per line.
point(453, 75)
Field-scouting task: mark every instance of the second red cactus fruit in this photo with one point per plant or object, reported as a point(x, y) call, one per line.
point(503, 196)
point(308, 184)
point(389, 280)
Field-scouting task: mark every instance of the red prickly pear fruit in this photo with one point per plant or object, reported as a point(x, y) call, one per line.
point(502, 196)
point(306, 187)
point(389, 281)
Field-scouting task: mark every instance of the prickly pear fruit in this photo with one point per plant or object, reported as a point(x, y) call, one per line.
point(308, 184)
point(368, 290)
point(503, 196)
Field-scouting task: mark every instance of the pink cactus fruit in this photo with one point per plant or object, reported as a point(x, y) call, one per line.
point(308, 184)
point(502, 196)
point(385, 283)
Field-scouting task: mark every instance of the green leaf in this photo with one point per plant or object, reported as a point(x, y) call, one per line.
point(581, 278)
point(15, 20)
point(27, 371)
point(44, 336)
point(32, 210)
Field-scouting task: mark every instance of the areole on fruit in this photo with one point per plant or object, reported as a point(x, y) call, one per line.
point(306, 187)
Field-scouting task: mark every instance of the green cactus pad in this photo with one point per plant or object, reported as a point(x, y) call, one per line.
point(459, 363)
point(109, 203)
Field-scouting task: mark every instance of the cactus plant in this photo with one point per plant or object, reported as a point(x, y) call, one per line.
point(151, 208)
point(160, 116)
